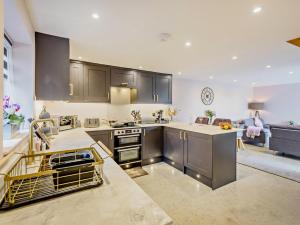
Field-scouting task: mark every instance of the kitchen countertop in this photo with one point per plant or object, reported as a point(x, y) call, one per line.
point(194, 127)
point(118, 201)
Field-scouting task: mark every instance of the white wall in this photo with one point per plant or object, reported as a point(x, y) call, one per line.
point(281, 102)
point(19, 28)
point(1, 69)
point(230, 100)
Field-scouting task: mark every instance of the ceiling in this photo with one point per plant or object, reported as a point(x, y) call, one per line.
point(127, 34)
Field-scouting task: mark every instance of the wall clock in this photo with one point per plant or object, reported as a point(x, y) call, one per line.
point(207, 96)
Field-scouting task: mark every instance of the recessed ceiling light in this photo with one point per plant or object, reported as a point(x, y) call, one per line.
point(234, 81)
point(188, 44)
point(257, 9)
point(95, 16)
point(140, 67)
point(234, 57)
point(79, 57)
point(268, 66)
point(179, 73)
point(291, 72)
point(211, 77)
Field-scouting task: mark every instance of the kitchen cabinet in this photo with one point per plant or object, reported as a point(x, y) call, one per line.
point(198, 152)
point(173, 147)
point(105, 136)
point(145, 87)
point(154, 88)
point(152, 145)
point(89, 82)
point(121, 77)
point(76, 82)
point(51, 67)
point(96, 83)
point(163, 88)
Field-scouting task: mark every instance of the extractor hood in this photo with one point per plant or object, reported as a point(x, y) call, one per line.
point(123, 95)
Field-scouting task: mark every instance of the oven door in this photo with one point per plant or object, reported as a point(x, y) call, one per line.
point(127, 155)
point(127, 140)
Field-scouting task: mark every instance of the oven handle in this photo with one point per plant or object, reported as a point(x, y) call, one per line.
point(127, 136)
point(128, 146)
point(128, 149)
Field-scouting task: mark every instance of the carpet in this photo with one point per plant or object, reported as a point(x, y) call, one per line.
point(268, 161)
point(136, 172)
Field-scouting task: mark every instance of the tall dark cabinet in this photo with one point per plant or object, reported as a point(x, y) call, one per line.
point(152, 142)
point(51, 67)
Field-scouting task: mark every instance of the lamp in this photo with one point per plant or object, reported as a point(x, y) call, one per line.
point(256, 105)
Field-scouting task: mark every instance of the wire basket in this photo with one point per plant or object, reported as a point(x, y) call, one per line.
point(51, 174)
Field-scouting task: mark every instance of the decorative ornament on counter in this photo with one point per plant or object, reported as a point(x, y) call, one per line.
point(207, 96)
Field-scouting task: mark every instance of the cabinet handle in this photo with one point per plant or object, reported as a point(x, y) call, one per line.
point(144, 132)
point(111, 135)
point(108, 95)
point(71, 89)
point(124, 84)
point(184, 136)
point(180, 135)
point(156, 98)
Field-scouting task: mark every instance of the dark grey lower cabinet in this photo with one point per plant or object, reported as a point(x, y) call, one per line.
point(152, 145)
point(105, 136)
point(173, 147)
point(211, 159)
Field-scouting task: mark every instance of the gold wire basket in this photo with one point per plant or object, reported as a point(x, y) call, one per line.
point(51, 174)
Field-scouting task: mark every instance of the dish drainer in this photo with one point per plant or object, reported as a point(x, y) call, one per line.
point(72, 171)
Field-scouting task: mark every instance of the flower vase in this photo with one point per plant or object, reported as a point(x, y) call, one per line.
point(10, 130)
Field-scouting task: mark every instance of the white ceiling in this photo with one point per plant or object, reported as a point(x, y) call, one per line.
point(127, 34)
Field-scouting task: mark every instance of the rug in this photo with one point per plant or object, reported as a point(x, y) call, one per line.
point(268, 161)
point(136, 172)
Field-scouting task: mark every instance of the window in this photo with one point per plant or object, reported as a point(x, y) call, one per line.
point(7, 67)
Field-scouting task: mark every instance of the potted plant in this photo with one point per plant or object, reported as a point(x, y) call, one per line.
point(210, 114)
point(12, 120)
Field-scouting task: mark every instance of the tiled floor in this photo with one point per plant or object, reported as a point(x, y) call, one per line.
point(256, 198)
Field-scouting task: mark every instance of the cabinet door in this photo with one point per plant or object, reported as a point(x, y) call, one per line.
point(145, 87)
point(96, 83)
point(123, 77)
point(106, 137)
point(173, 145)
point(51, 67)
point(152, 142)
point(76, 81)
point(163, 88)
point(198, 153)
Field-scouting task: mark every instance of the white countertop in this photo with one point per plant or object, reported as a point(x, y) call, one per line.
point(194, 127)
point(119, 201)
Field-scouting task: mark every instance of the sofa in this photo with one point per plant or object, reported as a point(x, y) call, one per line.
point(285, 139)
point(262, 139)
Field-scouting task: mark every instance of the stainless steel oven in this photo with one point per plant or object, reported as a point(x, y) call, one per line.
point(127, 146)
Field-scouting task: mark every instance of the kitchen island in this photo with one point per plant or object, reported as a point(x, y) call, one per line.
point(118, 201)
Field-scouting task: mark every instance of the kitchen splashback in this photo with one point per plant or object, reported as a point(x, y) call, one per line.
point(98, 110)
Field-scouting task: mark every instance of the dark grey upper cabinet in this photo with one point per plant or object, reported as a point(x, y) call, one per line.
point(51, 67)
point(198, 153)
point(145, 87)
point(76, 82)
point(163, 88)
point(173, 146)
point(96, 83)
point(121, 77)
point(152, 142)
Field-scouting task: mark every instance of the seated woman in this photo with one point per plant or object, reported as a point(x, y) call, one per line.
point(254, 131)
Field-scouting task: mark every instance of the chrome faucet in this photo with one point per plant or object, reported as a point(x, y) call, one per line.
point(31, 135)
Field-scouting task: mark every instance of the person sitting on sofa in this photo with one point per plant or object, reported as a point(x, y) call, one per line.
point(254, 131)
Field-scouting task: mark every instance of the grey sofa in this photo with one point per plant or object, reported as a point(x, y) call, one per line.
point(285, 139)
